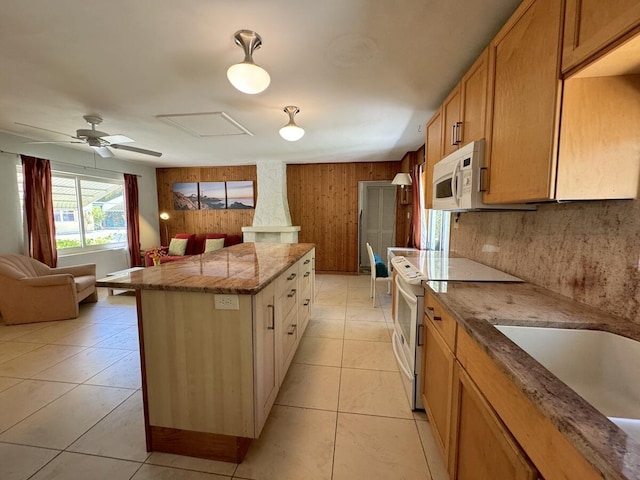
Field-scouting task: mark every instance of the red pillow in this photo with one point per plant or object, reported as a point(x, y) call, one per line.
point(190, 241)
point(232, 240)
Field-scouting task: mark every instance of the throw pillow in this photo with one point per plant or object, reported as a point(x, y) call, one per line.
point(213, 244)
point(178, 246)
point(381, 268)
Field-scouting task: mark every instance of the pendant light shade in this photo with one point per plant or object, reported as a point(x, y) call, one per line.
point(291, 131)
point(247, 76)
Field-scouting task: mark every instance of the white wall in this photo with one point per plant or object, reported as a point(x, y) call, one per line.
point(76, 161)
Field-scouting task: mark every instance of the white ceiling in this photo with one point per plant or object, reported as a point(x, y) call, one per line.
point(366, 74)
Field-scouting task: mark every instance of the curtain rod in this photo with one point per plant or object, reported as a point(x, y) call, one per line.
point(71, 164)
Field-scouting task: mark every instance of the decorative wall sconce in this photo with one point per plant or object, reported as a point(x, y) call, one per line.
point(247, 76)
point(291, 131)
point(404, 180)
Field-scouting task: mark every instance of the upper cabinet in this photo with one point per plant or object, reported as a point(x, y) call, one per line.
point(553, 139)
point(551, 135)
point(526, 91)
point(592, 27)
point(461, 119)
point(464, 112)
point(433, 154)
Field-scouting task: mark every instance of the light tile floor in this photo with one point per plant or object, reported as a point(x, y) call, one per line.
point(71, 406)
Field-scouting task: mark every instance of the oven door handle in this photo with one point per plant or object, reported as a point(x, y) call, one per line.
point(408, 296)
point(400, 360)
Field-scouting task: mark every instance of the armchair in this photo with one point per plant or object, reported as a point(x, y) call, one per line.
point(31, 291)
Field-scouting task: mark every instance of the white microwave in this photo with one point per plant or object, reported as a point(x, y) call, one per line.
point(457, 182)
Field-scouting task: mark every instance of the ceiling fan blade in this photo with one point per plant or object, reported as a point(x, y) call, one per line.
point(117, 139)
point(64, 141)
point(137, 150)
point(45, 129)
point(104, 152)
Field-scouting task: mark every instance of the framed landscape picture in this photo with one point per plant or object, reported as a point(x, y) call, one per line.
point(240, 195)
point(212, 196)
point(185, 196)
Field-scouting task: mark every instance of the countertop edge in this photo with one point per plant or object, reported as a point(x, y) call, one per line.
point(134, 281)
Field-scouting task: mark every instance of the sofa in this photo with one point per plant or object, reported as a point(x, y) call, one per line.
point(31, 291)
point(195, 246)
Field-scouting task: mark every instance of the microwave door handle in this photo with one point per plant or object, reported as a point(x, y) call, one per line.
point(454, 184)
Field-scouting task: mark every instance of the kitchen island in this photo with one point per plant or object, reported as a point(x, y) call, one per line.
point(217, 334)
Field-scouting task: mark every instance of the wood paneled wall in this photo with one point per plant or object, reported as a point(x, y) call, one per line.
point(323, 200)
point(202, 221)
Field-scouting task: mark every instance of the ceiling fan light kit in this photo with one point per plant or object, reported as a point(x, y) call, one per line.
point(291, 131)
point(247, 76)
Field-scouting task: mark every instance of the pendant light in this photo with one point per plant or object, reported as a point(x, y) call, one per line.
point(247, 76)
point(291, 131)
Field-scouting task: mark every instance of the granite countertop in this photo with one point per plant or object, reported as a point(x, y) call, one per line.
point(243, 269)
point(479, 306)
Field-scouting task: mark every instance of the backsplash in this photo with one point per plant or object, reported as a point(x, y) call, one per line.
point(588, 251)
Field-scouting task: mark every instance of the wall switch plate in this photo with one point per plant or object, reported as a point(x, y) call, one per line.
point(227, 302)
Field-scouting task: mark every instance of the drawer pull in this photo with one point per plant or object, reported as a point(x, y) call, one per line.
point(307, 302)
point(292, 329)
point(306, 262)
point(306, 274)
point(429, 312)
point(292, 276)
point(292, 293)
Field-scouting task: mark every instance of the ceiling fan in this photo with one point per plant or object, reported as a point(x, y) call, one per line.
point(99, 141)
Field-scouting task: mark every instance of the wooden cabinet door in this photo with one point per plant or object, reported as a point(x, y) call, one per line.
point(524, 109)
point(433, 154)
point(591, 27)
point(265, 366)
point(437, 384)
point(474, 89)
point(452, 122)
point(485, 450)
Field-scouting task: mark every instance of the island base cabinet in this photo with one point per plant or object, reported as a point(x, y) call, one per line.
point(210, 375)
point(484, 450)
point(198, 374)
point(265, 364)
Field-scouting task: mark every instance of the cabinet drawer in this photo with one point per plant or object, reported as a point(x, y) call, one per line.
point(304, 281)
point(287, 280)
point(289, 337)
point(440, 319)
point(288, 300)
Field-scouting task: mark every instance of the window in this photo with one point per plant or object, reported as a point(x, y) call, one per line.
point(89, 212)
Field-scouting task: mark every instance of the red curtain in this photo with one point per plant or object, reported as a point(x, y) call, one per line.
point(133, 222)
point(38, 201)
point(416, 214)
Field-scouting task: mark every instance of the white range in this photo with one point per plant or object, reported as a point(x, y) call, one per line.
point(411, 271)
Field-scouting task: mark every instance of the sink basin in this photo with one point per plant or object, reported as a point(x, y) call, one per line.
point(601, 367)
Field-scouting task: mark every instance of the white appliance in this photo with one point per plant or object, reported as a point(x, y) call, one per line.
point(408, 334)
point(407, 338)
point(457, 181)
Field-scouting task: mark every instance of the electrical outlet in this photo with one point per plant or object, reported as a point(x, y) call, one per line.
point(227, 302)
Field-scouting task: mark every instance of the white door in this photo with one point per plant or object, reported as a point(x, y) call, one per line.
point(377, 218)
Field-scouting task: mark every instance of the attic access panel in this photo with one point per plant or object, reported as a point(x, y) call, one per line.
point(206, 124)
